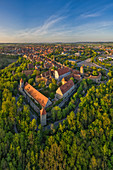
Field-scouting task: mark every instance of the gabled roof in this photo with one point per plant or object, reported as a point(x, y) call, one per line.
point(75, 71)
point(21, 80)
point(40, 98)
point(77, 76)
point(27, 72)
point(63, 71)
point(66, 78)
point(43, 112)
point(64, 88)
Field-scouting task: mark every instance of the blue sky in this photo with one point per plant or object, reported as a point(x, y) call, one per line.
point(56, 20)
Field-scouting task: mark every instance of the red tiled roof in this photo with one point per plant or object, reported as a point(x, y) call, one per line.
point(40, 98)
point(77, 76)
point(43, 112)
point(64, 88)
point(21, 80)
point(75, 71)
point(27, 72)
point(63, 71)
point(30, 65)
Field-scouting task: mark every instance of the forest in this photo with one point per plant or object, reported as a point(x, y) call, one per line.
point(83, 141)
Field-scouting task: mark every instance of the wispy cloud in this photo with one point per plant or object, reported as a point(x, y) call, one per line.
point(96, 12)
point(90, 15)
point(58, 27)
point(48, 27)
point(42, 30)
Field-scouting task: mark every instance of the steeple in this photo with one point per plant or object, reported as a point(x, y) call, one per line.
point(21, 84)
point(43, 117)
point(81, 70)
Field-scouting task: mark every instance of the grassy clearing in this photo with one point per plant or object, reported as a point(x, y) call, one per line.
point(5, 60)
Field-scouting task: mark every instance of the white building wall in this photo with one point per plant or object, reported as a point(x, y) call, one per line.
point(43, 119)
point(59, 94)
point(48, 103)
point(56, 75)
point(64, 75)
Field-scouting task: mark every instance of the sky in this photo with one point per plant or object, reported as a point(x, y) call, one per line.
point(35, 21)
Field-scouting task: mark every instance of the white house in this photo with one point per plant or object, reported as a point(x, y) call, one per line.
point(60, 73)
point(64, 90)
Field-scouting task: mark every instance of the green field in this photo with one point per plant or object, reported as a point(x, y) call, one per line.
point(5, 60)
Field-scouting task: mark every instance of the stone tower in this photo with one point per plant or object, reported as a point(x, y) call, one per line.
point(43, 117)
point(21, 84)
point(81, 70)
point(63, 81)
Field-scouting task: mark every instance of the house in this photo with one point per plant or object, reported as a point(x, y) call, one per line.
point(101, 58)
point(46, 80)
point(30, 66)
point(37, 77)
point(77, 76)
point(27, 72)
point(37, 66)
point(110, 57)
point(81, 70)
point(78, 54)
point(73, 61)
point(37, 96)
point(46, 74)
point(65, 89)
point(95, 78)
point(25, 56)
point(60, 73)
point(63, 81)
point(75, 71)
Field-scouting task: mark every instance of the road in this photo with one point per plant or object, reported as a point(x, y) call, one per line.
point(88, 62)
point(55, 124)
point(101, 66)
point(15, 129)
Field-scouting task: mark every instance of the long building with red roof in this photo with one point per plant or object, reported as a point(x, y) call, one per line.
point(37, 96)
point(65, 89)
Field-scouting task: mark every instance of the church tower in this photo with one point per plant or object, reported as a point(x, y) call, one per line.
point(43, 117)
point(81, 70)
point(21, 84)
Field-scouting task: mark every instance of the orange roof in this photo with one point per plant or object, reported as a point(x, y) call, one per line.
point(75, 71)
point(43, 112)
point(63, 71)
point(77, 76)
point(21, 80)
point(40, 98)
point(64, 88)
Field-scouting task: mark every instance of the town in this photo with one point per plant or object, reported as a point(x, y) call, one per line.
point(56, 85)
point(52, 75)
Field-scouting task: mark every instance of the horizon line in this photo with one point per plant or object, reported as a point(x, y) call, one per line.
point(56, 42)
